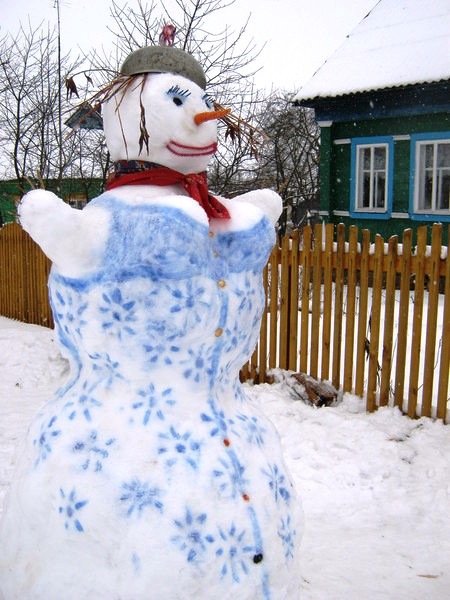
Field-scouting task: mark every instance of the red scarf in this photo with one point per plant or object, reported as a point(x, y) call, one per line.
point(194, 183)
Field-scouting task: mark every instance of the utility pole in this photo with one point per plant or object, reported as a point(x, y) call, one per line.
point(59, 184)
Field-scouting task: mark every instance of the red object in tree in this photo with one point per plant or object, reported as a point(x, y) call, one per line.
point(167, 35)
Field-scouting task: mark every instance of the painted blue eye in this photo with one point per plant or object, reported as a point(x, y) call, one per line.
point(178, 95)
point(208, 101)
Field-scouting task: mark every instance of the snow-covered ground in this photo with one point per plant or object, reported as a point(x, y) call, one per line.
point(375, 488)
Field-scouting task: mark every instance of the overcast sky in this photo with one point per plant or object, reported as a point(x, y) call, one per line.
point(299, 34)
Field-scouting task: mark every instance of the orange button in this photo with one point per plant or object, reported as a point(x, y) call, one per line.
point(221, 283)
point(218, 332)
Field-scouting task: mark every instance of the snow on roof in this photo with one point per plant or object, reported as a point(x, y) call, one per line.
point(400, 42)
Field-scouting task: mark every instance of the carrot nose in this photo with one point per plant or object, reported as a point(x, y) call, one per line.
point(210, 115)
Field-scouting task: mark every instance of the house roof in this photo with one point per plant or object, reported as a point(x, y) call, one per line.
point(85, 117)
point(399, 42)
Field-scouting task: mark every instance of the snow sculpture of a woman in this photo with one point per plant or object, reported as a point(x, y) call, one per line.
point(150, 475)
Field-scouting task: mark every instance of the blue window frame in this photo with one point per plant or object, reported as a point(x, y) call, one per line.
point(430, 176)
point(372, 161)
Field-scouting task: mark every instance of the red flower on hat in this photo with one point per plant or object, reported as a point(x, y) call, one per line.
point(167, 35)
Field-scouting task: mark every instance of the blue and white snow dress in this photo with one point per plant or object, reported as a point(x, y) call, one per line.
point(150, 475)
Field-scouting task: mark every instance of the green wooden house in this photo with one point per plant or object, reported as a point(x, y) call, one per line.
point(382, 101)
point(76, 192)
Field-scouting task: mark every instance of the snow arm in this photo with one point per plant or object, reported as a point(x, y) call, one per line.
point(268, 201)
point(72, 239)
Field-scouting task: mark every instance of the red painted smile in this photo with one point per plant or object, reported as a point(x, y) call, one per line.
point(182, 150)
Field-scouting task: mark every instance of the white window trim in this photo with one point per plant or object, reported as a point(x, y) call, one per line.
point(419, 143)
point(377, 212)
point(372, 209)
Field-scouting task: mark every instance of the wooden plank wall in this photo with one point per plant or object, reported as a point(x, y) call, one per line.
point(24, 271)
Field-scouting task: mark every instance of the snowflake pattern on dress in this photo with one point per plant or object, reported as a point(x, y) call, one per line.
point(117, 315)
point(277, 482)
point(193, 537)
point(152, 403)
point(70, 311)
point(70, 508)
point(234, 553)
point(287, 533)
point(216, 421)
point(49, 430)
point(198, 363)
point(175, 446)
point(165, 347)
point(189, 302)
point(92, 451)
point(249, 428)
point(228, 476)
point(82, 404)
point(137, 495)
point(106, 369)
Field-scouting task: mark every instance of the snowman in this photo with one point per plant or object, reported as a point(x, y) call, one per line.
point(150, 474)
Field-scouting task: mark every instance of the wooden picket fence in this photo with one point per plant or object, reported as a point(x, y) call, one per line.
point(371, 317)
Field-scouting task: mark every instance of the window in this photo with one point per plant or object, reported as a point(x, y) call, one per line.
point(371, 177)
point(431, 175)
point(77, 200)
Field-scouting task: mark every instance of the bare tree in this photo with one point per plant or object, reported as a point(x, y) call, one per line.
point(89, 162)
point(289, 161)
point(29, 105)
point(228, 57)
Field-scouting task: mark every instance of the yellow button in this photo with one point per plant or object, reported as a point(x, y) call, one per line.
point(218, 332)
point(211, 234)
point(221, 283)
point(215, 254)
